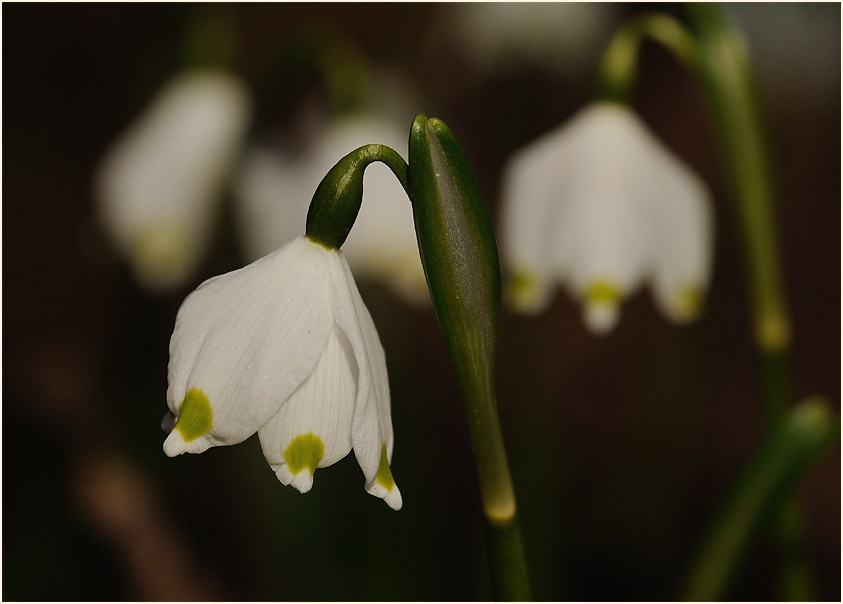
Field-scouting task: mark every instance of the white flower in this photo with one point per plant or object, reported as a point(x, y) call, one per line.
point(159, 186)
point(600, 205)
point(286, 348)
point(272, 192)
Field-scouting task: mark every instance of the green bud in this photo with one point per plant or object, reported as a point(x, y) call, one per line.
point(337, 199)
point(457, 246)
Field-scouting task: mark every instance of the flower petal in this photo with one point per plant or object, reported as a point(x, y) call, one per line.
point(603, 241)
point(684, 234)
point(371, 436)
point(246, 341)
point(533, 207)
point(313, 428)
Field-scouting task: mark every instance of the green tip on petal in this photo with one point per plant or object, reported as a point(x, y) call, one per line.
point(384, 476)
point(305, 451)
point(602, 292)
point(602, 300)
point(523, 292)
point(195, 415)
point(689, 303)
point(161, 256)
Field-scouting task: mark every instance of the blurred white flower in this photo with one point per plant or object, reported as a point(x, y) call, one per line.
point(566, 37)
point(272, 193)
point(284, 347)
point(600, 205)
point(159, 186)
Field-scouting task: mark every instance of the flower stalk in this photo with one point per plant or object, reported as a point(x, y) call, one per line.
point(337, 199)
point(460, 260)
point(619, 65)
point(726, 72)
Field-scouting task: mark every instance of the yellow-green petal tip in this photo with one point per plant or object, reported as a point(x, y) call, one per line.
point(195, 415)
point(305, 451)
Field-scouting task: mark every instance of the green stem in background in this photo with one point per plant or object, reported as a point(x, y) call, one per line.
point(619, 65)
point(321, 53)
point(771, 476)
point(211, 38)
point(460, 259)
point(727, 73)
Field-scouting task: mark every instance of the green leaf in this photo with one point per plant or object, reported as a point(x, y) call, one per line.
point(769, 479)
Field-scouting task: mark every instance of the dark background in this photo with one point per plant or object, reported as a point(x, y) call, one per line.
point(621, 448)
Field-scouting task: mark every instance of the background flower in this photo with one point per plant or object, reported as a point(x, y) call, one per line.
point(160, 185)
point(600, 205)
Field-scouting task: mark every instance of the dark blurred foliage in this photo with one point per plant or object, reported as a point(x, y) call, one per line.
point(622, 448)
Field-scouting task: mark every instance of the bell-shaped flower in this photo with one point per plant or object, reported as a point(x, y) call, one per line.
point(286, 348)
point(601, 206)
point(160, 185)
point(382, 245)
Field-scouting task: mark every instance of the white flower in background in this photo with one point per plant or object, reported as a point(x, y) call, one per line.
point(566, 37)
point(273, 191)
point(286, 348)
point(600, 205)
point(160, 185)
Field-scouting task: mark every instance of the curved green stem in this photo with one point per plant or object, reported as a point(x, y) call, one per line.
point(727, 73)
point(728, 77)
point(717, 52)
point(619, 65)
point(337, 199)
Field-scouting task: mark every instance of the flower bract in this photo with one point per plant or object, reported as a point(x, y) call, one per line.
point(601, 206)
point(284, 347)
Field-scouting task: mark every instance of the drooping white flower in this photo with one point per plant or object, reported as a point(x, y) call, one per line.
point(600, 205)
point(159, 186)
point(272, 192)
point(284, 347)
